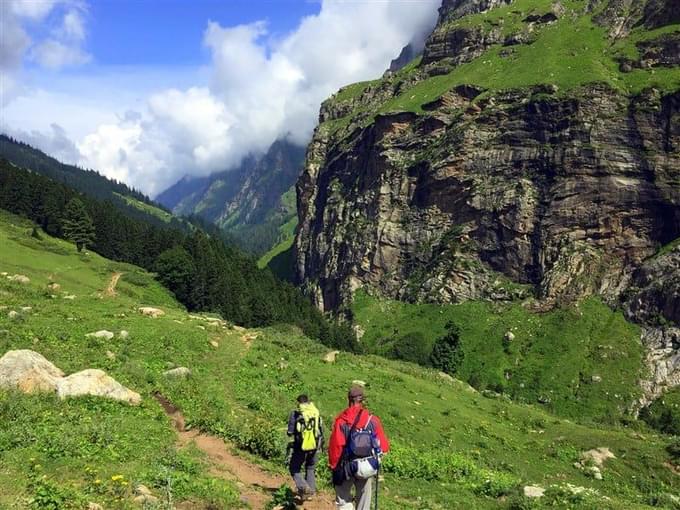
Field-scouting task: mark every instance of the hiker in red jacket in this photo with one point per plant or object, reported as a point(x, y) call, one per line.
point(357, 442)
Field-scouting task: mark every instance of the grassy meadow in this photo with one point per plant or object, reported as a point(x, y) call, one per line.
point(453, 447)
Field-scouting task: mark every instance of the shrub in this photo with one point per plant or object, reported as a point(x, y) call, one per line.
point(411, 347)
point(446, 354)
point(664, 413)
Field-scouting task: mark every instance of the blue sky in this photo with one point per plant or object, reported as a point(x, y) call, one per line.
point(143, 32)
point(148, 91)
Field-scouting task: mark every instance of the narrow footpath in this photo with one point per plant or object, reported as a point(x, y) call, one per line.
point(255, 484)
point(111, 287)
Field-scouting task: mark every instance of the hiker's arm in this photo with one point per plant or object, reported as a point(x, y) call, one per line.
point(380, 432)
point(291, 423)
point(335, 445)
point(322, 444)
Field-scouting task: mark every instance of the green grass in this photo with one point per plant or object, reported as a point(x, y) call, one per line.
point(287, 237)
point(147, 208)
point(583, 341)
point(667, 248)
point(467, 448)
point(471, 451)
point(569, 53)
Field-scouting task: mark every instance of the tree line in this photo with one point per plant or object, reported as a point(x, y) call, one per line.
point(199, 267)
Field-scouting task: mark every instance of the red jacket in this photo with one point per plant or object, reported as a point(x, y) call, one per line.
point(337, 441)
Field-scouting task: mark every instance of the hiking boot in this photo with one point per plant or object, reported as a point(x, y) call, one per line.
point(308, 494)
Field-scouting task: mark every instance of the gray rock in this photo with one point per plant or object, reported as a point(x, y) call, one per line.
point(96, 383)
point(28, 372)
point(106, 335)
point(179, 372)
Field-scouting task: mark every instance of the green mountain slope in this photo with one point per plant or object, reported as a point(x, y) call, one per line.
point(251, 203)
point(89, 182)
point(453, 447)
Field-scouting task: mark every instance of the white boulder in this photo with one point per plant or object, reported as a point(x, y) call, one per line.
point(28, 372)
point(20, 278)
point(597, 456)
point(177, 372)
point(150, 311)
point(533, 491)
point(97, 383)
point(331, 356)
point(106, 335)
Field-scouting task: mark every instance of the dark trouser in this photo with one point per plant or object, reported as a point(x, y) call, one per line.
point(308, 461)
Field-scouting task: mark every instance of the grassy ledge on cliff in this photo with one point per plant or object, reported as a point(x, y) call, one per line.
point(523, 46)
point(453, 447)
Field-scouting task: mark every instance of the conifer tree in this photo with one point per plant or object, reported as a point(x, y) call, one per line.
point(77, 224)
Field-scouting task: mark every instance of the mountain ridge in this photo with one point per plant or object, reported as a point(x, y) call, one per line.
point(249, 203)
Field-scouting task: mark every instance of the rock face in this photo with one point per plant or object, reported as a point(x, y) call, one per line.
point(444, 184)
point(28, 371)
point(566, 192)
point(96, 383)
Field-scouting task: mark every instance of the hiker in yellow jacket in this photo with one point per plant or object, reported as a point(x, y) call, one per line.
point(306, 429)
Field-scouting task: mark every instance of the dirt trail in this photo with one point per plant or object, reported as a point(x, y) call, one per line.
point(255, 484)
point(111, 287)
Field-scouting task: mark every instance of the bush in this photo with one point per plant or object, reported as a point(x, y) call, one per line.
point(411, 347)
point(446, 353)
point(664, 413)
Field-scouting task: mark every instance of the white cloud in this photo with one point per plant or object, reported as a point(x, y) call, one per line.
point(34, 10)
point(63, 47)
point(53, 54)
point(55, 143)
point(260, 89)
point(73, 25)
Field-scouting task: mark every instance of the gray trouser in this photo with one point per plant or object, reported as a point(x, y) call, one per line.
point(308, 461)
point(362, 500)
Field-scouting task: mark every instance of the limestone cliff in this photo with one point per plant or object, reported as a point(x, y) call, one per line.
point(534, 143)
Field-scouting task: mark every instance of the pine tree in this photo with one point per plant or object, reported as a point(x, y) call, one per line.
point(77, 224)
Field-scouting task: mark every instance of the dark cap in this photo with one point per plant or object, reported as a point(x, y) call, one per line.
point(355, 392)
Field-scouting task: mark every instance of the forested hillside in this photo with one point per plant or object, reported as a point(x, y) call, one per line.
point(199, 268)
point(90, 182)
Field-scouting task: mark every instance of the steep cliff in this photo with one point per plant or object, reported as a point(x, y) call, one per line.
point(250, 202)
point(535, 142)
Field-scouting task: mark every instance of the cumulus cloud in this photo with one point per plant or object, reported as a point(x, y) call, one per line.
point(62, 47)
point(260, 90)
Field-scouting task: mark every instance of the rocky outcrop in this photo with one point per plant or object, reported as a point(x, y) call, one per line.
point(96, 383)
point(568, 194)
point(28, 371)
point(653, 299)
